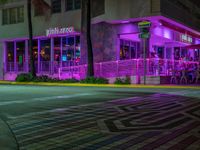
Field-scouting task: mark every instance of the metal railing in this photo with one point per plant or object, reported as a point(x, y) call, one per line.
point(133, 67)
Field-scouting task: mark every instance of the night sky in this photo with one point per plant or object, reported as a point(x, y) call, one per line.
point(197, 2)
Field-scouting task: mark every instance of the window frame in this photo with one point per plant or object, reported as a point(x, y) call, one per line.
point(74, 5)
point(15, 17)
point(54, 4)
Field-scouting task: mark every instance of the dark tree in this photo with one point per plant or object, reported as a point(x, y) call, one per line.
point(86, 27)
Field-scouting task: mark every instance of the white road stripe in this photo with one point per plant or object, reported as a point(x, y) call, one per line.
point(41, 99)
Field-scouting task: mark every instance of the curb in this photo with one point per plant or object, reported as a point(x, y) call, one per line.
point(100, 85)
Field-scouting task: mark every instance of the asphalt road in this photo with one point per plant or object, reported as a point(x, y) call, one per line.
point(42, 117)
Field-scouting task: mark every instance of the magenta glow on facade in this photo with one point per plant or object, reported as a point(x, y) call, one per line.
point(166, 50)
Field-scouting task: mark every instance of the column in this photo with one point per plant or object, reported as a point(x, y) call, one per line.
point(118, 48)
point(61, 50)
point(26, 57)
point(15, 57)
point(4, 57)
point(52, 57)
point(74, 61)
point(38, 56)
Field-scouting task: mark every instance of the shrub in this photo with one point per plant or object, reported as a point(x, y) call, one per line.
point(93, 80)
point(127, 80)
point(24, 77)
point(42, 78)
point(70, 81)
point(119, 81)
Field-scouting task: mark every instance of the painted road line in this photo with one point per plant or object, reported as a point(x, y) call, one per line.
point(55, 111)
point(41, 99)
point(69, 108)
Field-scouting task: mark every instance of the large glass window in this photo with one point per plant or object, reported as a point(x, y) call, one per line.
point(10, 51)
point(177, 53)
point(70, 50)
point(35, 55)
point(10, 56)
point(45, 50)
point(77, 50)
point(35, 50)
point(159, 52)
point(56, 6)
point(197, 55)
point(20, 55)
point(128, 49)
point(57, 49)
point(168, 53)
point(45, 55)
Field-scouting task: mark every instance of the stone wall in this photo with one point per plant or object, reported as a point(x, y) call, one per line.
point(105, 41)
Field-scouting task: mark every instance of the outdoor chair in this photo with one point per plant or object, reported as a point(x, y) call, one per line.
point(183, 77)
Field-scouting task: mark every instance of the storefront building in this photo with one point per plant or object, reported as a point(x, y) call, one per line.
point(60, 49)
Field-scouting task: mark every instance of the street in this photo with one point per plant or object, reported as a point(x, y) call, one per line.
point(90, 118)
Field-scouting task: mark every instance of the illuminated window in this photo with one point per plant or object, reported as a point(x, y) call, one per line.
point(128, 49)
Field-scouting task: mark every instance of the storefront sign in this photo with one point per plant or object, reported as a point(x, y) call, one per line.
point(57, 31)
point(186, 38)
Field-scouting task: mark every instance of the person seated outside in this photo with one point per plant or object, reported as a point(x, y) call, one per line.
point(191, 72)
point(183, 74)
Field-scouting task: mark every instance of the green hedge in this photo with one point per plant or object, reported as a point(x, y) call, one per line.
point(93, 80)
point(43, 78)
point(120, 81)
point(24, 77)
point(29, 78)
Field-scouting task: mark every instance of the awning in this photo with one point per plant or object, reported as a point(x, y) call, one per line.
point(197, 46)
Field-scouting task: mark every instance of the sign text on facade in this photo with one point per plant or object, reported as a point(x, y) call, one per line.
point(57, 31)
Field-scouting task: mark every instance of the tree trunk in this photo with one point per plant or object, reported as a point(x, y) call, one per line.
point(30, 30)
point(90, 72)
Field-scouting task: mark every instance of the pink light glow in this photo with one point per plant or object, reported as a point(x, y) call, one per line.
point(126, 21)
point(132, 37)
point(163, 32)
point(128, 28)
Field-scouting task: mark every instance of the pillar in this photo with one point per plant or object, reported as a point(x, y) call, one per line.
point(52, 57)
point(38, 56)
point(15, 57)
point(26, 56)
